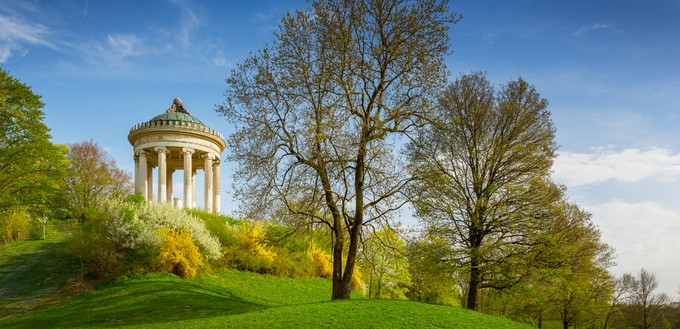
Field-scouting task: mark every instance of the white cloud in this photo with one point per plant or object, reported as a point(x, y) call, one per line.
point(645, 235)
point(593, 27)
point(188, 20)
point(14, 33)
point(122, 45)
point(604, 164)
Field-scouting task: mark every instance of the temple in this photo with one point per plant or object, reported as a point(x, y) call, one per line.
point(176, 140)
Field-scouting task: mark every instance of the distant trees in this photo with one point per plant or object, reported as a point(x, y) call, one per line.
point(92, 178)
point(483, 167)
point(31, 167)
point(316, 113)
point(646, 307)
point(384, 265)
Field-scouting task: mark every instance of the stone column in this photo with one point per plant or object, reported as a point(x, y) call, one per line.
point(136, 172)
point(162, 173)
point(141, 170)
point(169, 185)
point(208, 183)
point(193, 188)
point(216, 187)
point(149, 182)
point(188, 204)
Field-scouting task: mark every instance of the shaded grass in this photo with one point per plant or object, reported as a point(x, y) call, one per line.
point(233, 299)
point(33, 269)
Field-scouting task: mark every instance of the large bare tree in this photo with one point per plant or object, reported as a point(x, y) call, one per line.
point(647, 307)
point(484, 164)
point(318, 110)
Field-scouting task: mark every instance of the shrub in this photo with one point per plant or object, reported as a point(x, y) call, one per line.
point(14, 225)
point(179, 254)
point(251, 237)
point(218, 225)
point(161, 215)
point(321, 260)
point(323, 263)
point(123, 238)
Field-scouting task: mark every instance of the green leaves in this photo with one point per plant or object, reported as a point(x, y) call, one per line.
point(31, 166)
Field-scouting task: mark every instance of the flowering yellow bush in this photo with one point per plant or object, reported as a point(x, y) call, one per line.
point(321, 260)
point(179, 254)
point(251, 237)
point(324, 266)
point(357, 284)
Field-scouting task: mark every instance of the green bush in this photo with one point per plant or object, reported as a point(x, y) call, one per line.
point(15, 225)
point(218, 225)
point(123, 238)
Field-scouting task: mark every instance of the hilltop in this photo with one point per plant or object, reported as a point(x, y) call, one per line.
point(227, 298)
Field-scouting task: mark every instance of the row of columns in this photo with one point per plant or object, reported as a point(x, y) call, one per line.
point(144, 178)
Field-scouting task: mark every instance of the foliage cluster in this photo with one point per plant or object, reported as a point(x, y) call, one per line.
point(31, 167)
point(128, 238)
point(179, 254)
point(14, 225)
point(91, 179)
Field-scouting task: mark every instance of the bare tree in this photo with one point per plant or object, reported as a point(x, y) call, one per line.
point(316, 113)
point(647, 306)
point(622, 287)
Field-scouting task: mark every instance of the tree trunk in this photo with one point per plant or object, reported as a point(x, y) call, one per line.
point(475, 278)
point(342, 280)
point(473, 291)
point(339, 289)
point(565, 324)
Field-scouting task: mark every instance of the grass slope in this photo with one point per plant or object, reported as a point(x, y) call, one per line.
point(33, 269)
point(233, 299)
point(31, 273)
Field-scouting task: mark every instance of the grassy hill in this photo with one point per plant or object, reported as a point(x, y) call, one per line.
point(227, 299)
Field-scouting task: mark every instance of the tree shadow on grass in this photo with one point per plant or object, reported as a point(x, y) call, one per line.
point(27, 277)
point(150, 301)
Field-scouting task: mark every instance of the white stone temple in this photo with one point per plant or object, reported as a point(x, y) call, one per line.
point(172, 141)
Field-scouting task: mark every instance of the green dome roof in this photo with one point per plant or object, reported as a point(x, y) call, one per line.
point(176, 116)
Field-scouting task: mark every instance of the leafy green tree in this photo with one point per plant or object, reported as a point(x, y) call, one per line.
point(431, 274)
point(31, 167)
point(318, 110)
point(92, 178)
point(567, 279)
point(384, 265)
point(483, 166)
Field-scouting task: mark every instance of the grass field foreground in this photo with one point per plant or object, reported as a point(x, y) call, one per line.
point(35, 293)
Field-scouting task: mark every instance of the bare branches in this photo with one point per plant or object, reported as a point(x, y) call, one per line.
point(316, 109)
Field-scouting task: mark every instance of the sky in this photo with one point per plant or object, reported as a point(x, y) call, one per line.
point(610, 70)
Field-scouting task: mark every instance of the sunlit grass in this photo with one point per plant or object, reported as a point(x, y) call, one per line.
point(236, 299)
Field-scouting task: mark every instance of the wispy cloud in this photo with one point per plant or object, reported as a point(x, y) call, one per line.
point(16, 33)
point(605, 164)
point(593, 27)
point(189, 21)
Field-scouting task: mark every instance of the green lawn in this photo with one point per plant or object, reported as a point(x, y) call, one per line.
point(32, 270)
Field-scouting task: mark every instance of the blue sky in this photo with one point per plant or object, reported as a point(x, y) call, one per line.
point(610, 69)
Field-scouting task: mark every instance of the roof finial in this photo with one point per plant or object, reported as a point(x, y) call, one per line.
point(177, 107)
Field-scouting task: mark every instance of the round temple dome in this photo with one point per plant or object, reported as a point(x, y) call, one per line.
point(175, 116)
point(176, 140)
